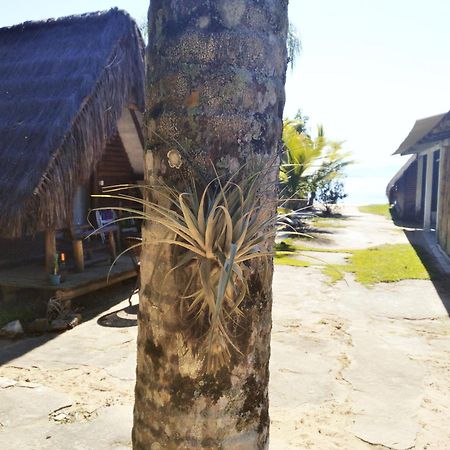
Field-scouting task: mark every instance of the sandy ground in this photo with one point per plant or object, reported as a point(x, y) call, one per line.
point(352, 367)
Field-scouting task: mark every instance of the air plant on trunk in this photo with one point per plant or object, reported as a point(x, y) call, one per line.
point(219, 228)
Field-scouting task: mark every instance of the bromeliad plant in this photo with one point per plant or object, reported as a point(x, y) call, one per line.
point(219, 229)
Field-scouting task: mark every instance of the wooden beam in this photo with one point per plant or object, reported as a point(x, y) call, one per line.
point(78, 254)
point(50, 250)
point(138, 127)
point(67, 294)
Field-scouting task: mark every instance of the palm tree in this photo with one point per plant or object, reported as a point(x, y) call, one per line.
point(215, 94)
point(331, 168)
point(308, 163)
point(301, 154)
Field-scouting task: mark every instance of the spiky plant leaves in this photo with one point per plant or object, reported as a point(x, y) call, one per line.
point(218, 228)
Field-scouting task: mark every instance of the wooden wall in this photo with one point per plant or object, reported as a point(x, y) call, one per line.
point(405, 193)
point(410, 186)
point(444, 203)
point(114, 168)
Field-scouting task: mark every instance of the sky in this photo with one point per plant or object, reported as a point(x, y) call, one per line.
point(368, 69)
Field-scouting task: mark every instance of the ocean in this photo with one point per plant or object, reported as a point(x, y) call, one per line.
point(366, 183)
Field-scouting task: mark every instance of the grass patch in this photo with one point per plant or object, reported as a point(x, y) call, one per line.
point(326, 222)
point(384, 264)
point(286, 249)
point(286, 245)
point(287, 261)
point(8, 313)
point(304, 248)
point(378, 209)
point(430, 263)
point(284, 258)
point(334, 273)
point(289, 245)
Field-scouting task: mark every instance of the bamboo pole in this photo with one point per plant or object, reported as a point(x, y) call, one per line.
point(50, 250)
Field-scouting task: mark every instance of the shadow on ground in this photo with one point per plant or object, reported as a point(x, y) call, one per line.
point(123, 318)
point(416, 236)
point(438, 275)
point(90, 306)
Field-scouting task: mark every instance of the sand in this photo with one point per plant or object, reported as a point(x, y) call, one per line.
point(352, 367)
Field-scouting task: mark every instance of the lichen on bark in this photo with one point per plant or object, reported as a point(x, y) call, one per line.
point(215, 87)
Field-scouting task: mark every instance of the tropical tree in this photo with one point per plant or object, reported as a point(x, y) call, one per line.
point(308, 163)
point(294, 45)
point(301, 122)
point(331, 170)
point(215, 94)
point(330, 192)
point(301, 153)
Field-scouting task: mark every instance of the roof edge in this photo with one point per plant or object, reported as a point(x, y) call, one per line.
point(400, 173)
point(419, 131)
point(94, 15)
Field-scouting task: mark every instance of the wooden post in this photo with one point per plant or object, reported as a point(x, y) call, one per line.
point(50, 250)
point(419, 185)
point(443, 201)
point(112, 244)
point(441, 185)
point(428, 192)
point(78, 254)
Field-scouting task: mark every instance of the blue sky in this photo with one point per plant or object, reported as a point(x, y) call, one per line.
point(367, 71)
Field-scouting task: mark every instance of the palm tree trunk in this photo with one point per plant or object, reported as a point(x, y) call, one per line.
point(215, 92)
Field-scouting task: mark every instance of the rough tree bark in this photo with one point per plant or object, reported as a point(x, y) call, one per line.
point(216, 73)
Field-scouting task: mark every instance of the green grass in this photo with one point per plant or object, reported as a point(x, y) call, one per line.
point(335, 273)
point(290, 245)
point(384, 264)
point(283, 259)
point(304, 248)
point(286, 245)
point(8, 313)
point(326, 222)
point(379, 209)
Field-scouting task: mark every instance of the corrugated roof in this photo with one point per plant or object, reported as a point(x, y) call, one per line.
point(413, 142)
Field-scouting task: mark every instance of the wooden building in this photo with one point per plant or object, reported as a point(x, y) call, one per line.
point(401, 191)
point(71, 97)
point(421, 189)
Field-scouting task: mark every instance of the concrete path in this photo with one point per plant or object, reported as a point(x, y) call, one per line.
point(74, 391)
point(355, 367)
point(351, 367)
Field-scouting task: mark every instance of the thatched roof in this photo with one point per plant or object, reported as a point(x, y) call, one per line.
point(63, 86)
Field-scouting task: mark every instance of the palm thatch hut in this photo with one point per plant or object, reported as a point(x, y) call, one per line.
point(71, 94)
